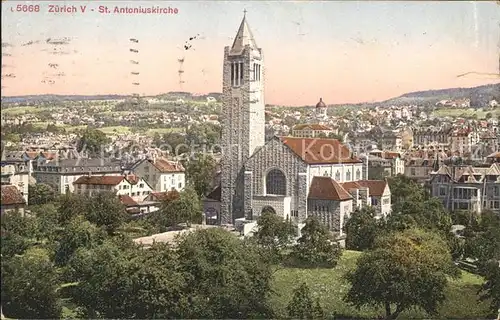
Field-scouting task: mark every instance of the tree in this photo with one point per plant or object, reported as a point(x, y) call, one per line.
point(92, 141)
point(404, 188)
point(104, 209)
point(40, 193)
point(316, 247)
point(70, 206)
point(18, 233)
point(79, 233)
point(491, 288)
point(405, 269)
point(225, 277)
point(29, 286)
point(302, 306)
point(274, 235)
point(361, 229)
point(200, 172)
point(184, 208)
point(103, 275)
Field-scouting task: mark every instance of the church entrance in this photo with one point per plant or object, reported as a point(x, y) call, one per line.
point(268, 209)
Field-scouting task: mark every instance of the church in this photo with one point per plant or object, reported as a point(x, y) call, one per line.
point(294, 177)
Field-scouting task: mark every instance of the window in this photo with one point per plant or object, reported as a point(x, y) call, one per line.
point(295, 213)
point(180, 185)
point(442, 191)
point(337, 176)
point(386, 201)
point(374, 201)
point(497, 191)
point(325, 174)
point(358, 174)
point(276, 182)
point(412, 172)
point(348, 175)
point(237, 74)
point(141, 185)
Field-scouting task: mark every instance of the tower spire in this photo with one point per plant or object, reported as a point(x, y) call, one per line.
point(243, 37)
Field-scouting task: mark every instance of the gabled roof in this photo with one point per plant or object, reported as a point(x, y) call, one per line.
point(11, 196)
point(127, 201)
point(376, 188)
point(243, 37)
point(325, 188)
point(320, 151)
point(313, 126)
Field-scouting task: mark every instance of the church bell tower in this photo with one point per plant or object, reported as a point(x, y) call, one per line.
point(243, 119)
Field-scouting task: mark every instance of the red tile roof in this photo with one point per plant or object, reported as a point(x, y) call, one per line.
point(168, 166)
point(162, 196)
point(320, 151)
point(313, 126)
point(127, 201)
point(325, 188)
point(376, 187)
point(100, 180)
point(11, 196)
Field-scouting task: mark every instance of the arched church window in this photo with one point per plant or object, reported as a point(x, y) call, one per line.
point(276, 182)
point(358, 174)
point(337, 176)
point(348, 175)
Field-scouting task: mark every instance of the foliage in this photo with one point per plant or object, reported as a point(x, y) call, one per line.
point(199, 173)
point(302, 306)
point(184, 208)
point(40, 193)
point(70, 206)
point(79, 233)
point(92, 141)
point(491, 288)
point(361, 229)
point(273, 236)
point(29, 284)
point(406, 269)
point(105, 209)
point(18, 233)
point(316, 247)
point(226, 278)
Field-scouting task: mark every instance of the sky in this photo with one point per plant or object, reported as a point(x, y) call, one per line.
point(344, 52)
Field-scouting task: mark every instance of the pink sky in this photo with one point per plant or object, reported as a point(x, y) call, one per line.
point(298, 70)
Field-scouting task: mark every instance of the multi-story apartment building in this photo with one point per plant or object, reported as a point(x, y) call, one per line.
point(420, 169)
point(468, 188)
point(463, 140)
point(396, 164)
point(312, 131)
point(161, 174)
point(439, 137)
point(16, 173)
point(60, 174)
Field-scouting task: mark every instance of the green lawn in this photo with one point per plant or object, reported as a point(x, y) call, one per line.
point(20, 110)
point(329, 286)
point(453, 112)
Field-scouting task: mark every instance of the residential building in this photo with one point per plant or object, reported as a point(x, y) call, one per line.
point(161, 174)
point(312, 131)
point(16, 173)
point(123, 185)
point(61, 174)
point(12, 200)
point(468, 188)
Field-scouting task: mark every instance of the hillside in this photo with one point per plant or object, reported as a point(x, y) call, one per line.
point(479, 96)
